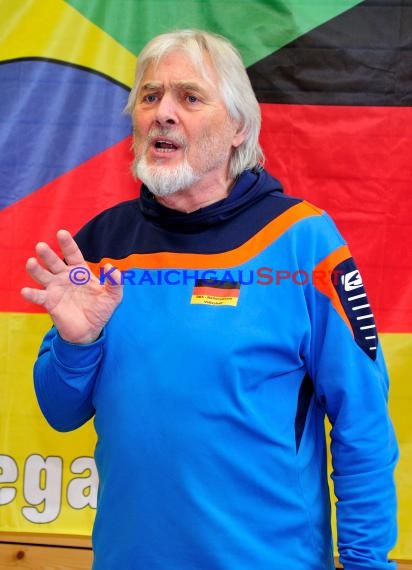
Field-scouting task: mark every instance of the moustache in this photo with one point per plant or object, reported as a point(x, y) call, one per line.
point(175, 138)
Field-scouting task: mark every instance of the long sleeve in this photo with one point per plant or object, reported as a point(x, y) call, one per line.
point(64, 378)
point(351, 381)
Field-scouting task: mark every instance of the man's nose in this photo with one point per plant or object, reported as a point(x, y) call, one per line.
point(166, 114)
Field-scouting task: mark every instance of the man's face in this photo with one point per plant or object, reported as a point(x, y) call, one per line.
point(183, 134)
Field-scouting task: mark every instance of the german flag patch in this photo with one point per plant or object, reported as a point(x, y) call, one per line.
point(215, 292)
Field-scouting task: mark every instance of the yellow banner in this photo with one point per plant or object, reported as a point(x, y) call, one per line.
point(48, 480)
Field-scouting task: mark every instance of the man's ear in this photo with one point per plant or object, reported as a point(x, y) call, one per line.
point(239, 136)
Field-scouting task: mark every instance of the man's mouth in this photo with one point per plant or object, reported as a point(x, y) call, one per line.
point(164, 145)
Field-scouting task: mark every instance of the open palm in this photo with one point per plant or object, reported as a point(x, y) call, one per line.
point(76, 301)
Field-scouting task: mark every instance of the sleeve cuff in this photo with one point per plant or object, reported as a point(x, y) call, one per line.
point(77, 356)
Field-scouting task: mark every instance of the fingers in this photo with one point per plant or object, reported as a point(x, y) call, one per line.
point(50, 258)
point(114, 276)
point(36, 296)
point(53, 264)
point(114, 286)
point(69, 247)
point(38, 272)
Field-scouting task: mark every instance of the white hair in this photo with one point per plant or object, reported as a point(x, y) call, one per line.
point(234, 84)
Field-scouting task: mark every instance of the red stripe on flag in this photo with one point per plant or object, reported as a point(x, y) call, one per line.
point(216, 291)
point(356, 163)
point(68, 202)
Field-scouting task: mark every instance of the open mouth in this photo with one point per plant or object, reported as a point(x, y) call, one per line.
point(163, 145)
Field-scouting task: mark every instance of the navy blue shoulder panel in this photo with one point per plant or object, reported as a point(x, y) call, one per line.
point(123, 230)
point(126, 228)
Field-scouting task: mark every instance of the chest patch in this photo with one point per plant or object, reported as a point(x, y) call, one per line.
point(215, 292)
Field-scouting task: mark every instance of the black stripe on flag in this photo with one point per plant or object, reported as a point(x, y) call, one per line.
point(361, 57)
point(217, 284)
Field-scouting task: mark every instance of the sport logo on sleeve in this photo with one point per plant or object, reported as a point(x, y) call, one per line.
point(352, 280)
point(352, 295)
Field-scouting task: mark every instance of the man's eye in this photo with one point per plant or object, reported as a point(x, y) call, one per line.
point(192, 98)
point(150, 98)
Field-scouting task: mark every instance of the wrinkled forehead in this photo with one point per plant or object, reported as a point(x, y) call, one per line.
point(201, 61)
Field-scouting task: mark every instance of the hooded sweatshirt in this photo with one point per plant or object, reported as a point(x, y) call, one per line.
point(242, 326)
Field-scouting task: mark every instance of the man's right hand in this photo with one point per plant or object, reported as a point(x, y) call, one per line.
point(79, 312)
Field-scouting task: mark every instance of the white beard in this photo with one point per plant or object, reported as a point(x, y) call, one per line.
point(162, 181)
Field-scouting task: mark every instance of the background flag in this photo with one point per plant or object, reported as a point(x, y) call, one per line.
point(335, 85)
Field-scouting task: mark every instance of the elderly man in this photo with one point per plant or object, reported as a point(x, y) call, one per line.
point(222, 322)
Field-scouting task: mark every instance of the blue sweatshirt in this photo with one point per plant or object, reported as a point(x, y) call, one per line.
point(242, 325)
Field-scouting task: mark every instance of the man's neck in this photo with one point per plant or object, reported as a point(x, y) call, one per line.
point(192, 199)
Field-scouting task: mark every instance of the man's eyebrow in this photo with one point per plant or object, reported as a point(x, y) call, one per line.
point(151, 86)
point(188, 85)
point(184, 84)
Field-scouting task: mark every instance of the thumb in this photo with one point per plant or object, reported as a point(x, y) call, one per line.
point(110, 276)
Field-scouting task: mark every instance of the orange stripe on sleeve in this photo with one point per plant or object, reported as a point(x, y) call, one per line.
point(322, 278)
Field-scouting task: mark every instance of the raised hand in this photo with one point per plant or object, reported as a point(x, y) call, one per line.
point(79, 312)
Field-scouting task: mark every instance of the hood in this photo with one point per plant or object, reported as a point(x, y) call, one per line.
point(251, 186)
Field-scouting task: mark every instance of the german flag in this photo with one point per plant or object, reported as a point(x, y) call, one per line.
point(215, 292)
point(334, 81)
